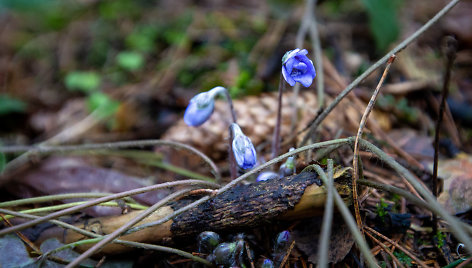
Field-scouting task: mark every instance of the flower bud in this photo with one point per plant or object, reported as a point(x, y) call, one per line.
point(201, 107)
point(243, 149)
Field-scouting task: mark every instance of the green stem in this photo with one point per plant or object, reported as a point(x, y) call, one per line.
point(68, 205)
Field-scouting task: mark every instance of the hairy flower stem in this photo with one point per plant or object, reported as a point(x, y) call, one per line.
point(232, 161)
point(276, 137)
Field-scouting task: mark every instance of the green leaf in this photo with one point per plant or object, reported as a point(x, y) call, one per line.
point(383, 21)
point(82, 81)
point(102, 104)
point(11, 105)
point(130, 60)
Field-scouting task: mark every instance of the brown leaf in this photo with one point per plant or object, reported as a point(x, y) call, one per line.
point(457, 191)
point(307, 236)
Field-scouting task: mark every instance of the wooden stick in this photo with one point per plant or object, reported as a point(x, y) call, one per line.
point(245, 206)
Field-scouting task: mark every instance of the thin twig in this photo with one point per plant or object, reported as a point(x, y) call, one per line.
point(47, 149)
point(351, 223)
point(327, 220)
point(112, 236)
point(372, 68)
point(104, 199)
point(400, 247)
point(287, 254)
point(355, 160)
point(450, 50)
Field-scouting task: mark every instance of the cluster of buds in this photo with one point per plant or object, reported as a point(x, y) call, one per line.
point(199, 111)
point(296, 67)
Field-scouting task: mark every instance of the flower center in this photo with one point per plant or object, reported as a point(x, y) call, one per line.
point(299, 68)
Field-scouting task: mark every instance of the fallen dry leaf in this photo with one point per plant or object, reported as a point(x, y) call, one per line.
point(456, 196)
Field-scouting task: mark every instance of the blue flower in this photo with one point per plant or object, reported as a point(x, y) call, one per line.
point(267, 264)
point(297, 67)
point(243, 150)
point(201, 107)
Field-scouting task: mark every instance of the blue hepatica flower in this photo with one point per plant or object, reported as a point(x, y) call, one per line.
point(297, 67)
point(201, 107)
point(243, 150)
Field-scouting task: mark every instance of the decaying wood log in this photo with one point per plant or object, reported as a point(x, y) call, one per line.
point(244, 206)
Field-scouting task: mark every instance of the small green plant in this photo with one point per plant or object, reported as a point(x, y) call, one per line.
point(130, 60)
point(439, 237)
point(382, 209)
point(403, 258)
point(11, 105)
point(85, 82)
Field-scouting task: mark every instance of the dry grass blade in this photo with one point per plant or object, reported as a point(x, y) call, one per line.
point(386, 249)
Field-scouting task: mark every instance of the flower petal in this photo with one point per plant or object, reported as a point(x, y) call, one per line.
point(287, 77)
point(306, 80)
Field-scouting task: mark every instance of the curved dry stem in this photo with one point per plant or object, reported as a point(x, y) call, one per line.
point(47, 149)
point(376, 65)
point(104, 199)
point(355, 159)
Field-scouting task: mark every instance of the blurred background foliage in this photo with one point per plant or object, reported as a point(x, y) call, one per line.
point(153, 56)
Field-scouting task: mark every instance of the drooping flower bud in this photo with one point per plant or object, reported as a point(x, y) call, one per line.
point(297, 67)
point(201, 107)
point(243, 149)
